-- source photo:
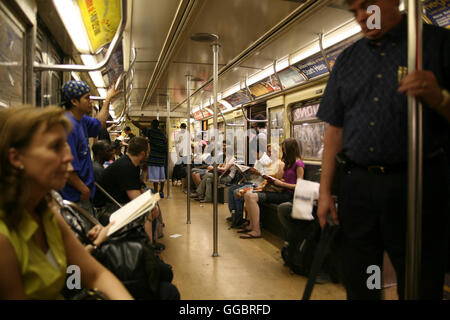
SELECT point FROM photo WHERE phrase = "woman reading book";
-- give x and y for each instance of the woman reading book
(36, 243)
(293, 168)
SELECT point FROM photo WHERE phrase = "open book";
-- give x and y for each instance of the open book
(133, 210)
(241, 167)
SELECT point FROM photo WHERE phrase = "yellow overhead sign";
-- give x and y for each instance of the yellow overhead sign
(101, 19)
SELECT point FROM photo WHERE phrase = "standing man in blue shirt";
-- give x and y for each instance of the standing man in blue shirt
(80, 188)
(365, 104)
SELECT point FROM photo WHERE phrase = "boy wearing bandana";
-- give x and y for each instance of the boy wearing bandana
(80, 188)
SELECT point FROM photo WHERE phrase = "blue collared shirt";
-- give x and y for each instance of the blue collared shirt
(361, 96)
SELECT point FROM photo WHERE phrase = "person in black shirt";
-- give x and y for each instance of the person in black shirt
(102, 153)
(122, 178)
(365, 104)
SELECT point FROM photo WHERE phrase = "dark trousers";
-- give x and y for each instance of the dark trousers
(372, 213)
(284, 215)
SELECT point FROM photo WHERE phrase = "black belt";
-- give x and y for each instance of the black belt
(377, 169)
(382, 169)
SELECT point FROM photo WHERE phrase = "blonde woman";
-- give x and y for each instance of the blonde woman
(36, 244)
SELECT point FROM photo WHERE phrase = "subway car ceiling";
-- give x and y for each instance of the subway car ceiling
(256, 37)
(266, 48)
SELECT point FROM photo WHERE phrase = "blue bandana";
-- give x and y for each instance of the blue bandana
(73, 89)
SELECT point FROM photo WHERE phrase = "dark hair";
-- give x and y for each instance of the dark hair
(155, 124)
(183, 126)
(127, 129)
(137, 145)
(115, 144)
(68, 104)
(291, 152)
(100, 149)
(260, 124)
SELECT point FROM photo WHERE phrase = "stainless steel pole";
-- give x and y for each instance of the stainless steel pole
(218, 145)
(168, 137)
(188, 172)
(415, 147)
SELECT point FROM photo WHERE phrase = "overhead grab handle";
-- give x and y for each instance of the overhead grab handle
(250, 120)
(83, 68)
(324, 55)
(229, 124)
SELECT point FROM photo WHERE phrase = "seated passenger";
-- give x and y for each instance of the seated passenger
(263, 166)
(36, 244)
(292, 170)
(102, 153)
(122, 179)
(117, 149)
(227, 172)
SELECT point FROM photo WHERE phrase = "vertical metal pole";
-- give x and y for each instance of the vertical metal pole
(188, 172)
(414, 216)
(124, 84)
(168, 137)
(29, 83)
(216, 134)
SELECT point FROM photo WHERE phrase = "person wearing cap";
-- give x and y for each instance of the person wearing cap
(80, 187)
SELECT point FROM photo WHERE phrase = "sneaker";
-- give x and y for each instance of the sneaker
(194, 195)
(161, 195)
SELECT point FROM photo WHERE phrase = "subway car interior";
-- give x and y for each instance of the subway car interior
(227, 69)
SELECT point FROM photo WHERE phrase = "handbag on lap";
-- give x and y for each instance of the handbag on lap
(128, 254)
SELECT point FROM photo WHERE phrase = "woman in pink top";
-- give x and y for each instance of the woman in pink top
(293, 168)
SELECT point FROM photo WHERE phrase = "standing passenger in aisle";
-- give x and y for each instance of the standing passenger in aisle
(80, 188)
(158, 155)
(365, 104)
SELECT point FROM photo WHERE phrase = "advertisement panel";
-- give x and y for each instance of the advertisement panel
(437, 12)
(101, 19)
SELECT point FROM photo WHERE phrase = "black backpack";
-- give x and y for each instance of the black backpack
(298, 255)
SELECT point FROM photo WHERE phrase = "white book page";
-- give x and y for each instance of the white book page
(132, 210)
(241, 167)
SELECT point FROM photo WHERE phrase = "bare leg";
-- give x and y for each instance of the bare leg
(144, 172)
(251, 203)
(196, 178)
(148, 229)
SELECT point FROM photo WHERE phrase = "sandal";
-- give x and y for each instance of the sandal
(243, 230)
(249, 236)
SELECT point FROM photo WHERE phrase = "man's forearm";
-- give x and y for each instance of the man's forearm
(104, 112)
(75, 181)
(332, 145)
